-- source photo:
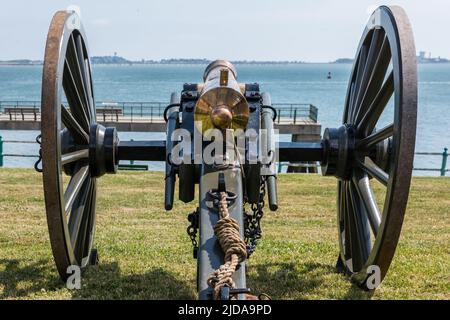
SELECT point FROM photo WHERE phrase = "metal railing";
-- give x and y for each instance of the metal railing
(290, 113)
(442, 170)
(130, 111)
(128, 167)
(19, 104)
(296, 111)
(20, 110)
(13, 155)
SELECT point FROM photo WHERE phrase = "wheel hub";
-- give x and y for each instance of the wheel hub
(339, 151)
(103, 146)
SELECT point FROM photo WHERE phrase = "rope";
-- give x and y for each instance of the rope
(227, 232)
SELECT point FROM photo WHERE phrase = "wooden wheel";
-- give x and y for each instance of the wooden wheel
(379, 137)
(68, 112)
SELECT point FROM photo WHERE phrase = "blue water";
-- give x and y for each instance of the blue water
(303, 83)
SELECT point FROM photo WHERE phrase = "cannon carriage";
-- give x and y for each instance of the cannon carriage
(220, 136)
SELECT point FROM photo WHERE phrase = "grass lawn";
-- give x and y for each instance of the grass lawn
(145, 252)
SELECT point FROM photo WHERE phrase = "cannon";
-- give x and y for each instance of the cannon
(370, 154)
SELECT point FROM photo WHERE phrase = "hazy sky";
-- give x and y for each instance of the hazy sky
(309, 30)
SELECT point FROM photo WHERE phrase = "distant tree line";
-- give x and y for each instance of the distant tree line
(117, 60)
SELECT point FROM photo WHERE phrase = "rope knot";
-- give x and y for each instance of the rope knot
(234, 248)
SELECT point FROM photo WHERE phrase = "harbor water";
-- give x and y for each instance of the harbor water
(287, 83)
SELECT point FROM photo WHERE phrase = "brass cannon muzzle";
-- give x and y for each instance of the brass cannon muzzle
(221, 104)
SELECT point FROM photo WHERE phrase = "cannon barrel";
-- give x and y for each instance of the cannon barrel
(221, 104)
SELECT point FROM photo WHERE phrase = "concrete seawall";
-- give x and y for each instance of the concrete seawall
(307, 130)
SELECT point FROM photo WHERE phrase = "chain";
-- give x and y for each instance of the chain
(36, 165)
(192, 230)
(252, 221)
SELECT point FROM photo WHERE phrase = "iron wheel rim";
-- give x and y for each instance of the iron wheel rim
(357, 218)
(66, 49)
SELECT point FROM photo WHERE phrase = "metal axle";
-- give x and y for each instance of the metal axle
(156, 151)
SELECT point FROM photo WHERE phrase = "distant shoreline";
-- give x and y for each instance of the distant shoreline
(119, 61)
(243, 63)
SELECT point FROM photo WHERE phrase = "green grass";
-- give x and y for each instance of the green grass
(145, 252)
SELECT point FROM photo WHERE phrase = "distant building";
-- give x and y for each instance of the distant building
(110, 60)
(422, 58)
(343, 60)
(21, 62)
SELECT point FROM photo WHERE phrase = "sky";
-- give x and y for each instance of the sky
(306, 30)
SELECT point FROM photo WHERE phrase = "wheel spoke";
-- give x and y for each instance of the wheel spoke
(359, 73)
(84, 76)
(85, 225)
(78, 211)
(77, 132)
(362, 185)
(340, 206)
(372, 56)
(350, 103)
(373, 170)
(350, 231)
(361, 231)
(75, 59)
(375, 138)
(76, 104)
(90, 94)
(74, 156)
(91, 221)
(374, 111)
(74, 187)
(346, 225)
(375, 75)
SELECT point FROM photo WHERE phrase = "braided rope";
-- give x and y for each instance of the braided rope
(227, 232)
